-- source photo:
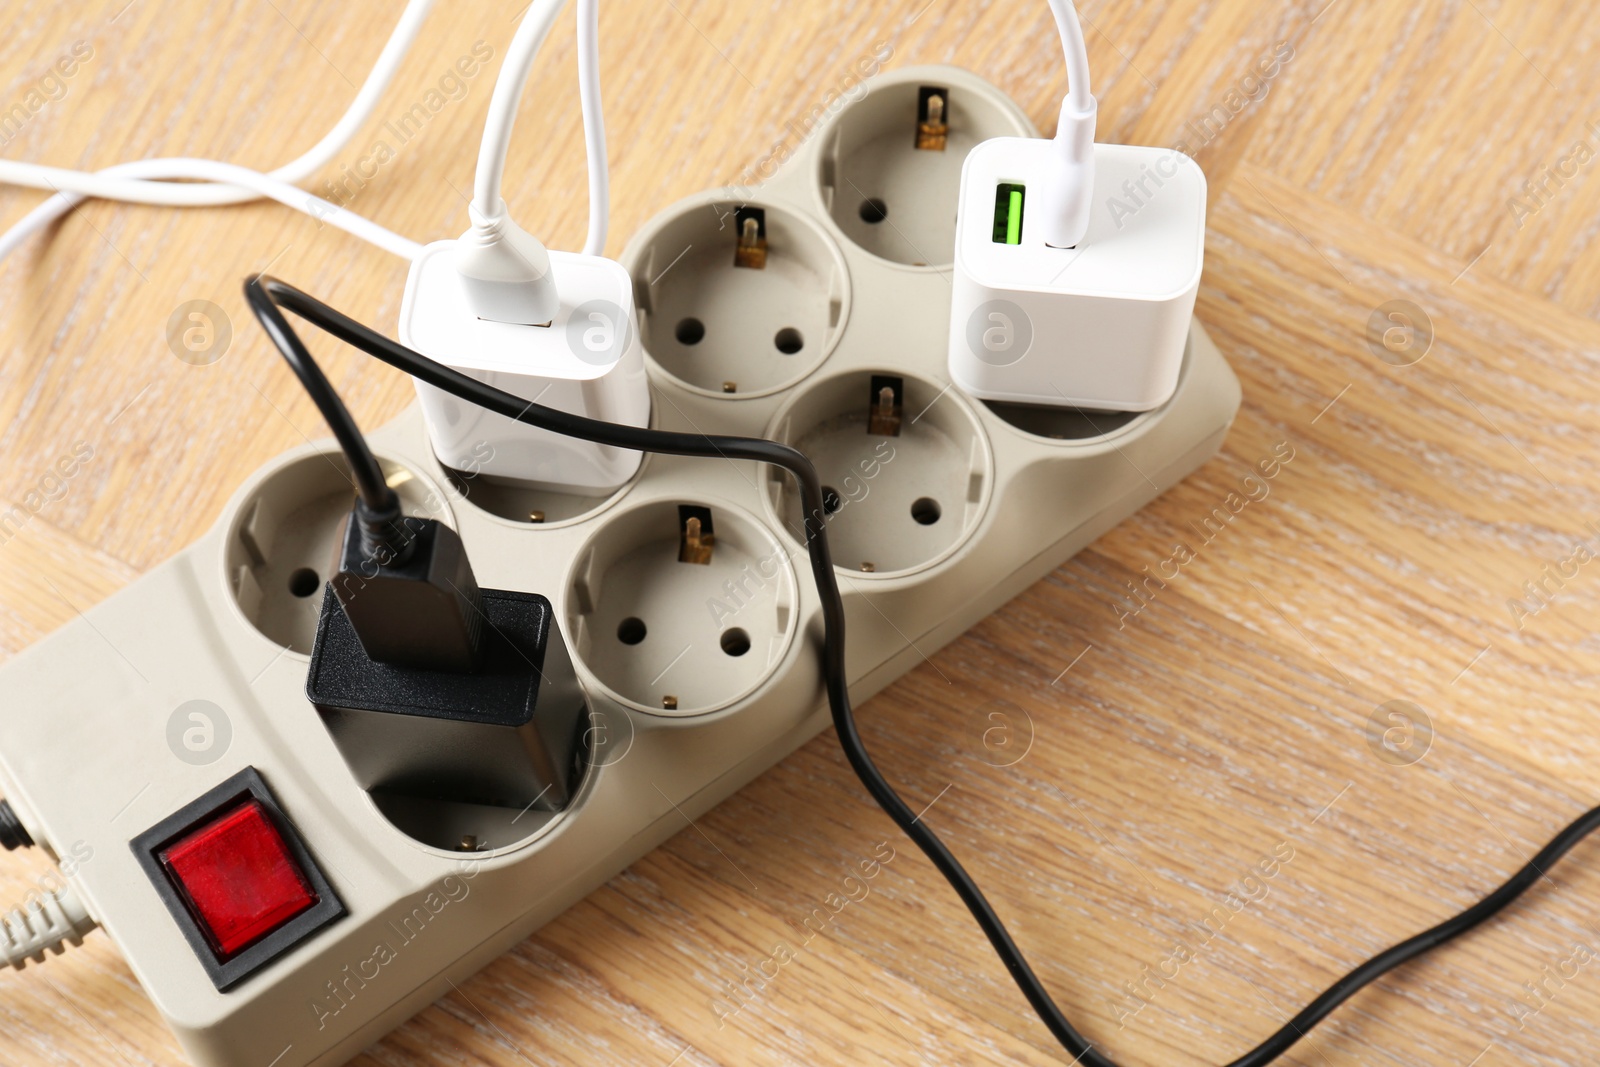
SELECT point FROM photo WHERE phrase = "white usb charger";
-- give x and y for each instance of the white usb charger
(555, 328)
(1076, 264)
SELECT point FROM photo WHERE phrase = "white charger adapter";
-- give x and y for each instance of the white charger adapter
(587, 360)
(1101, 325)
(555, 328)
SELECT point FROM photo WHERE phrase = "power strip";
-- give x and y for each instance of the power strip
(197, 672)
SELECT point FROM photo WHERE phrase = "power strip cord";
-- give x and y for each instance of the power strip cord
(13, 835)
(265, 292)
(46, 923)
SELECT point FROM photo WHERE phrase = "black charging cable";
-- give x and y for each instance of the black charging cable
(383, 536)
(265, 291)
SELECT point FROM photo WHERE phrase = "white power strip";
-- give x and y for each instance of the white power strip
(194, 678)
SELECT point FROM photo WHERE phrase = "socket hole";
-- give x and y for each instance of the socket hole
(926, 510)
(831, 500)
(873, 211)
(631, 631)
(691, 331)
(531, 508)
(789, 341)
(304, 582)
(735, 642)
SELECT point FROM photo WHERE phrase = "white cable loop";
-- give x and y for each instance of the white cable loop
(149, 181)
(252, 182)
(136, 182)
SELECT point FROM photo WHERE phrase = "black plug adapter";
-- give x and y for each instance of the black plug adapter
(434, 689)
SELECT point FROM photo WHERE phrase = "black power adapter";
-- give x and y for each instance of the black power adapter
(437, 690)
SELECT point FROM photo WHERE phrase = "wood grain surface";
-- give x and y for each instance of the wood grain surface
(1216, 814)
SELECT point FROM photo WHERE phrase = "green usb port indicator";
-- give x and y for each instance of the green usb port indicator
(1008, 200)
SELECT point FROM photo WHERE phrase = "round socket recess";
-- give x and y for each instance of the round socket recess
(906, 469)
(890, 181)
(681, 608)
(524, 505)
(447, 828)
(281, 541)
(736, 299)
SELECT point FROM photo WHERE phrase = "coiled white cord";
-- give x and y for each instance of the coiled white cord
(136, 182)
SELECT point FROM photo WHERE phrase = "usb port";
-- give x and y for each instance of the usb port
(1008, 201)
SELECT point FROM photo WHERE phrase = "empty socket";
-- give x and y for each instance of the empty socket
(281, 547)
(905, 466)
(885, 181)
(730, 318)
(681, 608)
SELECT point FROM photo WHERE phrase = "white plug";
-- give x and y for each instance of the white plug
(506, 272)
(585, 358)
(1067, 193)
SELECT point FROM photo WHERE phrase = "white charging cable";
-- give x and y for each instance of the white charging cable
(148, 181)
(141, 190)
(1068, 195)
(133, 182)
(594, 126)
(241, 182)
(505, 268)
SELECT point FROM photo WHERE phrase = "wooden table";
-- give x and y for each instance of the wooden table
(1223, 748)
